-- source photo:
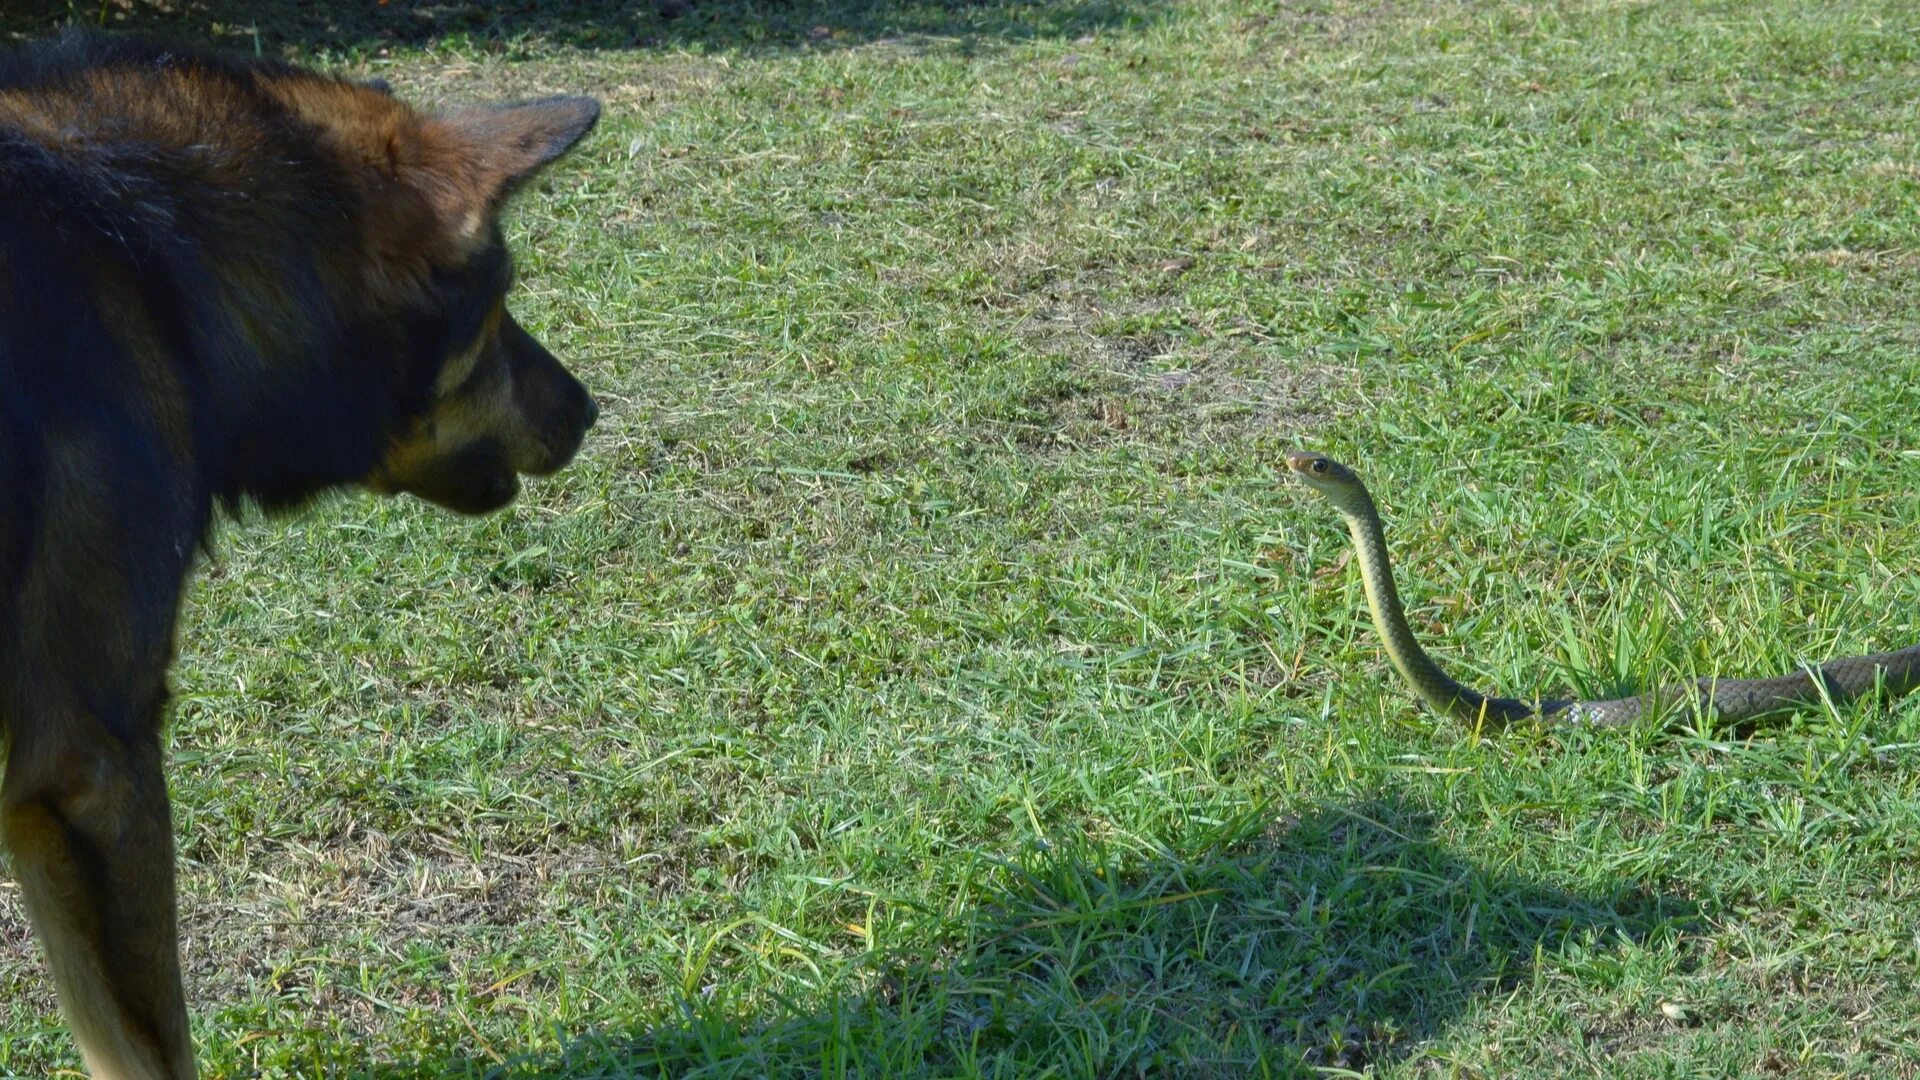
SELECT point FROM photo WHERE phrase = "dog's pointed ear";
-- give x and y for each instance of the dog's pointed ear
(510, 143)
(488, 151)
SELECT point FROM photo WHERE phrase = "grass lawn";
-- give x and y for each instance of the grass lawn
(927, 672)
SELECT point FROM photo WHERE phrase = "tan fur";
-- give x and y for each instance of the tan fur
(390, 328)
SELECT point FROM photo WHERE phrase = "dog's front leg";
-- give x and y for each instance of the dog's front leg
(84, 811)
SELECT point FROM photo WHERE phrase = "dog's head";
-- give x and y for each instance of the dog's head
(500, 405)
(484, 403)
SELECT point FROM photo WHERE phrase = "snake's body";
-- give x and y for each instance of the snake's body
(1732, 700)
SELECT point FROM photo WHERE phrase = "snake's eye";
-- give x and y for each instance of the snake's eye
(1319, 465)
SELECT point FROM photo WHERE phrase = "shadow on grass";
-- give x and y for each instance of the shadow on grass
(362, 26)
(1339, 940)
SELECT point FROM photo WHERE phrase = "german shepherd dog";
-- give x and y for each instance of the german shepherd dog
(222, 282)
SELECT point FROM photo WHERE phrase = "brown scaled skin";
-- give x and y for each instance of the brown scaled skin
(1734, 701)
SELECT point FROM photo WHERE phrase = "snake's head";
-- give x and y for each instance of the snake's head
(1334, 481)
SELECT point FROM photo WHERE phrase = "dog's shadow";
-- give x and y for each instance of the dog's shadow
(746, 25)
(1342, 939)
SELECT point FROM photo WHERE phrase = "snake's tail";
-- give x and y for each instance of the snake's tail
(1882, 676)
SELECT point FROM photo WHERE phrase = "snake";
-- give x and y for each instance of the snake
(1733, 701)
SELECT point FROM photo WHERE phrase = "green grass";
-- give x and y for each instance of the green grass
(925, 671)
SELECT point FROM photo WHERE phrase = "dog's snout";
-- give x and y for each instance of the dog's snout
(593, 412)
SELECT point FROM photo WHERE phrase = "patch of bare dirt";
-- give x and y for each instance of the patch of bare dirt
(290, 913)
(1194, 383)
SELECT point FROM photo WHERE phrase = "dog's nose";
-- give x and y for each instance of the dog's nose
(593, 412)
